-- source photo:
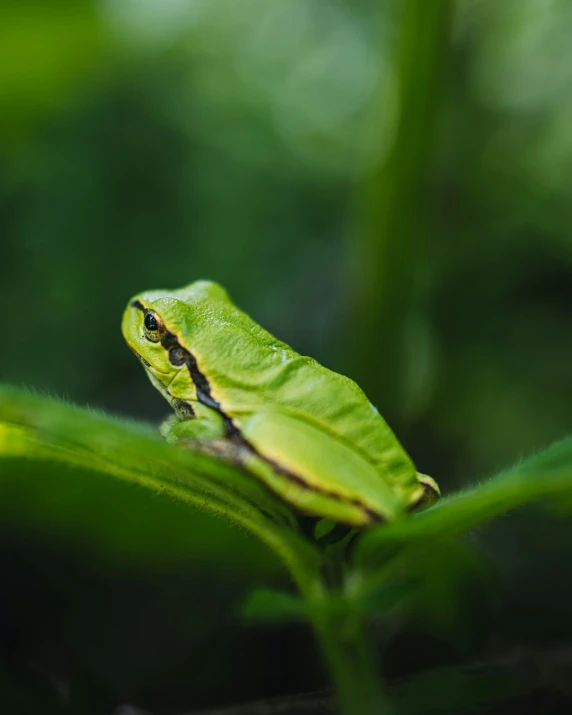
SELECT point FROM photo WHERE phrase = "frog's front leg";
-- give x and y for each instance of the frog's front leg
(202, 423)
(203, 430)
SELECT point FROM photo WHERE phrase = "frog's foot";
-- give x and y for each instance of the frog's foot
(431, 492)
(206, 424)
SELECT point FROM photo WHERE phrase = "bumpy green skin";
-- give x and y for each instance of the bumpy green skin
(310, 434)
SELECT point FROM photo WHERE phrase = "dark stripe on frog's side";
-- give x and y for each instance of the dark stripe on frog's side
(304, 485)
(171, 343)
(204, 394)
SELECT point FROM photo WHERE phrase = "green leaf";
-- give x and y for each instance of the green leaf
(47, 51)
(546, 475)
(273, 607)
(42, 429)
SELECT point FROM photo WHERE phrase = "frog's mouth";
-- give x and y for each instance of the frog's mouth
(163, 389)
(150, 368)
(153, 375)
(156, 378)
(139, 357)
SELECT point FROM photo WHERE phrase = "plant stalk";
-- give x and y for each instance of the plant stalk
(350, 656)
(346, 647)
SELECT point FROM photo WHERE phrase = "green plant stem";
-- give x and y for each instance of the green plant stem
(352, 662)
(346, 648)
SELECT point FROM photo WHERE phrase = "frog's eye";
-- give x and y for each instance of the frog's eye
(153, 326)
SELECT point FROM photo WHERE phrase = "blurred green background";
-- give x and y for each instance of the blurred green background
(383, 185)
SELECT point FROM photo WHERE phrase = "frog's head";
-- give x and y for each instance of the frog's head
(156, 327)
(144, 330)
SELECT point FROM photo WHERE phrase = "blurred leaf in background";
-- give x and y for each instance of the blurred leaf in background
(47, 54)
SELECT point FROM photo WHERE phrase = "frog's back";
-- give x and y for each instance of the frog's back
(248, 369)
